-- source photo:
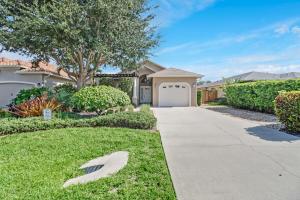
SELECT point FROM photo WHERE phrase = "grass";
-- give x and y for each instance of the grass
(35, 165)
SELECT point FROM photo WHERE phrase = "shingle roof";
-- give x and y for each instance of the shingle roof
(27, 66)
(253, 76)
(173, 72)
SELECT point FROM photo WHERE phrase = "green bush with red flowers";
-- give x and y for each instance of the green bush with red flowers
(287, 107)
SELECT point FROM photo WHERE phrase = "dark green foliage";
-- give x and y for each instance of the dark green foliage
(27, 94)
(287, 106)
(134, 120)
(124, 84)
(63, 94)
(99, 99)
(199, 96)
(259, 95)
(81, 36)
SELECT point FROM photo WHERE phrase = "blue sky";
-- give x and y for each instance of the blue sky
(220, 38)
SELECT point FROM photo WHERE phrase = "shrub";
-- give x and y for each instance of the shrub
(145, 108)
(258, 95)
(287, 106)
(27, 94)
(99, 99)
(199, 95)
(63, 94)
(34, 107)
(135, 120)
(123, 83)
(4, 114)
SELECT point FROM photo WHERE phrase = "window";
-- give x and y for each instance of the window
(170, 86)
(177, 86)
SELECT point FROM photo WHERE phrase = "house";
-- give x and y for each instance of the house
(160, 86)
(164, 87)
(213, 91)
(16, 75)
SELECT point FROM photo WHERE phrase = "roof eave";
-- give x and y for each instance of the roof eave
(43, 73)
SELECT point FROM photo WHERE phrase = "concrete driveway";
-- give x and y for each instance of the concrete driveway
(212, 156)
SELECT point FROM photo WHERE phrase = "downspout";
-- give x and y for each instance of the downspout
(45, 79)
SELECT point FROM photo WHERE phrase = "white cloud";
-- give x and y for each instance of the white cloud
(279, 28)
(283, 29)
(296, 30)
(170, 11)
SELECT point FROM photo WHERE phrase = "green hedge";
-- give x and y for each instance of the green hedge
(99, 99)
(199, 95)
(287, 106)
(258, 95)
(134, 120)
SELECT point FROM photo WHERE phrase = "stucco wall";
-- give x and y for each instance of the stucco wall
(8, 74)
(190, 81)
(11, 83)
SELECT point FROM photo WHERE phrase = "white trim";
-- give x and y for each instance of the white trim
(19, 82)
(187, 84)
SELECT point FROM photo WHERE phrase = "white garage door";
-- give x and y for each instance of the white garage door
(174, 94)
(9, 90)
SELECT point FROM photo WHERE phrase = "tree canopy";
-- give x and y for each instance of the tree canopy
(81, 36)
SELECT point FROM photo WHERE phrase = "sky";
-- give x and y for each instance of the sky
(221, 38)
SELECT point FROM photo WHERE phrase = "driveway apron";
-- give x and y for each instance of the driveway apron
(213, 156)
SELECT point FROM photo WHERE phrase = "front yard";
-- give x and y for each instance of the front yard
(35, 165)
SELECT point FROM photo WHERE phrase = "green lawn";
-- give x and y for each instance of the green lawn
(35, 165)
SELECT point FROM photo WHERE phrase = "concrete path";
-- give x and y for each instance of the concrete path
(212, 156)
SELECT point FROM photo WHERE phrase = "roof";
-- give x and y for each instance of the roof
(28, 67)
(253, 76)
(173, 72)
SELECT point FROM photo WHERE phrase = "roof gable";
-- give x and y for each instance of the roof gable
(173, 72)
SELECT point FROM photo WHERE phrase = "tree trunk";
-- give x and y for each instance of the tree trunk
(80, 82)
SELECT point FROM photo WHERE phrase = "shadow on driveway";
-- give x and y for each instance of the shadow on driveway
(266, 133)
(244, 114)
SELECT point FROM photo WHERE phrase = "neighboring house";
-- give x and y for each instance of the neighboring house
(16, 75)
(213, 91)
(160, 86)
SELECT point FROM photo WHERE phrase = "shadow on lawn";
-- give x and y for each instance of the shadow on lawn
(266, 133)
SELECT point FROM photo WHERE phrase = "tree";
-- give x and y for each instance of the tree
(81, 36)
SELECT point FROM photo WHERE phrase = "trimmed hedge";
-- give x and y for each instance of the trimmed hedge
(199, 96)
(99, 98)
(258, 95)
(287, 106)
(134, 120)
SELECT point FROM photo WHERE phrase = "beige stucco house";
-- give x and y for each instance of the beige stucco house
(16, 75)
(164, 87)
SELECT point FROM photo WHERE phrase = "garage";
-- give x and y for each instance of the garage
(174, 88)
(9, 90)
(169, 94)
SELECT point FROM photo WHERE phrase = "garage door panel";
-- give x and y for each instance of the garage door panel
(174, 95)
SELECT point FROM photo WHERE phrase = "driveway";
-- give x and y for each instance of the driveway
(212, 156)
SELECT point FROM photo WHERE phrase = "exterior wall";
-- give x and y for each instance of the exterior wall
(11, 83)
(52, 81)
(8, 74)
(191, 81)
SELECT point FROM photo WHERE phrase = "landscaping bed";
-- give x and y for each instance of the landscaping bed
(35, 165)
(135, 120)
